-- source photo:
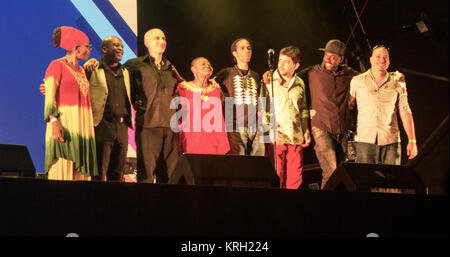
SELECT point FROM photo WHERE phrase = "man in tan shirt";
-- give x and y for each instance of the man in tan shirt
(379, 96)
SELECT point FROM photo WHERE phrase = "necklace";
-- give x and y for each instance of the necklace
(79, 76)
(191, 86)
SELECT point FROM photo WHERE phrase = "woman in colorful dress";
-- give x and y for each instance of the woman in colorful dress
(202, 127)
(69, 140)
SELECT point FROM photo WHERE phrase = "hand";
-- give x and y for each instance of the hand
(42, 89)
(90, 65)
(312, 113)
(306, 139)
(266, 77)
(411, 150)
(351, 105)
(177, 75)
(399, 77)
(57, 132)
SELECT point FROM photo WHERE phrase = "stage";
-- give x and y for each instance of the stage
(38, 207)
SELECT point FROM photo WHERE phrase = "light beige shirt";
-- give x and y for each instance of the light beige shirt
(290, 107)
(378, 108)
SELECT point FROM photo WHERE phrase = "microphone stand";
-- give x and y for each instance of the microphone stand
(272, 69)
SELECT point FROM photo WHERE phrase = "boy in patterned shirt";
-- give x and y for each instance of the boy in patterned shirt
(291, 118)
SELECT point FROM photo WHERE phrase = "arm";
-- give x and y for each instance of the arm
(51, 113)
(304, 75)
(220, 77)
(222, 97)
(138, 98)
(352, 95)
(57, 131)
(306, 133)
(408, 124)
(266, 77)
(177, 75)
(42, 88)
(304, 115)
(264, 110)
(406, 116)
(90, 65)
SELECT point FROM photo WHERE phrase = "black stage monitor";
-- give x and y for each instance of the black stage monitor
(364, 177)
(15, 161)
(224, 170)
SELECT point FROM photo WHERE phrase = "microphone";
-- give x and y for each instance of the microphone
(270, 58)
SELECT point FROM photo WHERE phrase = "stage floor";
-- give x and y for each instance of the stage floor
(37, 207)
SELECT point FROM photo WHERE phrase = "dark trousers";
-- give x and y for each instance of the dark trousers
(329, 151)
(151, 144)
(111, 140)
(246, 143)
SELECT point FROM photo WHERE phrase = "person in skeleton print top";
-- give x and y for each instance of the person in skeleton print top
(242, 85)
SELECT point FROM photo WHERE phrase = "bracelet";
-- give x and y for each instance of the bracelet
(412, 141)
(53, 120)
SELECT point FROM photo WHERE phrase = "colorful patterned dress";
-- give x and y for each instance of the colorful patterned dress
(203, 126)
(68, 98)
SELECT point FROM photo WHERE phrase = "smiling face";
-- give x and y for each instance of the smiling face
(380, 59)
(201, 68)
(331, 61)
(155, 41)
(112, 49)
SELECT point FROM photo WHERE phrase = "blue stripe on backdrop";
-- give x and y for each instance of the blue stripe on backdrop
(27, 28)
(101, 25)
(118, 23)
(94, 39)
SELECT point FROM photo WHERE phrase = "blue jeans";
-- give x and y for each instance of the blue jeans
(378, 154)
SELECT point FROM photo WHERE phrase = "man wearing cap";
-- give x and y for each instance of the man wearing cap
(329, 84)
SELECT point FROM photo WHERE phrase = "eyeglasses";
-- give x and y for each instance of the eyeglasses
(89, 46)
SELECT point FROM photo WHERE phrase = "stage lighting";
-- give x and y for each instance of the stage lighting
(421, 26)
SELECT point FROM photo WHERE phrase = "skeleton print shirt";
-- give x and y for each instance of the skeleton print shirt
(242, 88)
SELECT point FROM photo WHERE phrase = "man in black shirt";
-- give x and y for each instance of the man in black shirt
(111, 109)
(153, 85)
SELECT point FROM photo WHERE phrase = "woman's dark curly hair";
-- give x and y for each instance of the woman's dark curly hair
(56, 37)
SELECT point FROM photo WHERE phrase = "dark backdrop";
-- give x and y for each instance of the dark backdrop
(208, 27)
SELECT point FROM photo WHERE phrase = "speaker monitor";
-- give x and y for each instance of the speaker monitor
(224, 170)
(15, 160)
(364, 177)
